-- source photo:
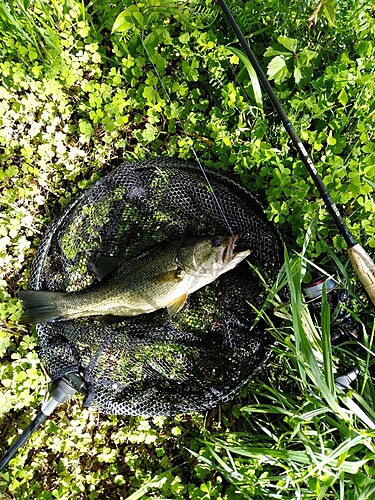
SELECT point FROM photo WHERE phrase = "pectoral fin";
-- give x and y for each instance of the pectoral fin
(177, 305)
(175, 275)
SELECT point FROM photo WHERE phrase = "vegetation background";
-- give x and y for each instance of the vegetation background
(82, 88)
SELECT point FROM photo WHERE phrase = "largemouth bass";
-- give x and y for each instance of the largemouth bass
(161, 277)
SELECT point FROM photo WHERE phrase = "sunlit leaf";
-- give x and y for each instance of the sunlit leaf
(127, 19)
(330, 7)
(277, 69)
(289, 43)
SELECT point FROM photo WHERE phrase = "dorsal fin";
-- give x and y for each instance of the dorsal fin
(105, 266)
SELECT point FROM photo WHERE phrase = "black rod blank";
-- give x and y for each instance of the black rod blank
(332, 208)
(361, 262)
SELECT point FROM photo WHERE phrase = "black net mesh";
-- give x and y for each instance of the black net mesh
(155, 364)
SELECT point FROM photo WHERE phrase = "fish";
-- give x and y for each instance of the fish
(161, 277)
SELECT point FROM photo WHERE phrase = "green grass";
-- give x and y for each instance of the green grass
(78, 96)
(303, 437)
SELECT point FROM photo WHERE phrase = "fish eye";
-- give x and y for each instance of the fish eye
(216, 242)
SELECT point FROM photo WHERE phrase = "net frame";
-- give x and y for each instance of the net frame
(155, 364)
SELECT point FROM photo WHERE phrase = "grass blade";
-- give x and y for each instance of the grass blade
(308, 365)
(317, 460)
(252, 74)
(326, 342)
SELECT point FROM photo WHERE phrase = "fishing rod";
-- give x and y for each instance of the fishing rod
(361, 262)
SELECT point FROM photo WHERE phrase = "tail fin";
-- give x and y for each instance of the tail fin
(41, 307)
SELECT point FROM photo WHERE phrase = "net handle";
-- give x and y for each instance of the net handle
(61, 390)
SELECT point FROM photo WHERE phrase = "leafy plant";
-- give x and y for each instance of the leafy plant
(325, 8)
(286, 61)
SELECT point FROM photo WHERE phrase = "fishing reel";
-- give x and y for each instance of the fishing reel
(343, 327)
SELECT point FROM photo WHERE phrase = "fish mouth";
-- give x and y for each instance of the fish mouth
(229, 246)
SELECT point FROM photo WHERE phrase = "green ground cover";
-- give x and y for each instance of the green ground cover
(83, 87)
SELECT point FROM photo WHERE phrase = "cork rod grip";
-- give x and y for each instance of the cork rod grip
(364, 268)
